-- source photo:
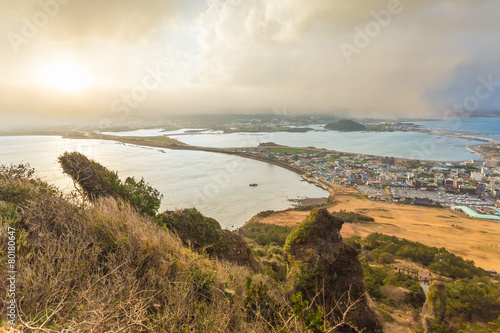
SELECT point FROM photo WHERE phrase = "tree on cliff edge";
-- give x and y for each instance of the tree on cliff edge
(96, 181)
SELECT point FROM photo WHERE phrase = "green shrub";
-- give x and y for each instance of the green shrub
(438, 260)
(450, 265)
(474, 299)
(205, 234)
(374, 278)
(259, 304)
(384, 258)
(265, 213)
(97, 181)
(264, 233)
(311, 317)
(354, 241)
(352, 217)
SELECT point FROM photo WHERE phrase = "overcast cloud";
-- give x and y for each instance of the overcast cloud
(405, 58)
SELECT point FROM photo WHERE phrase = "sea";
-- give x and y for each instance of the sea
(394, 144)
(488, 125)
(216, 184)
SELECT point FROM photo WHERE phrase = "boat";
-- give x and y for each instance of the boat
(253, 184)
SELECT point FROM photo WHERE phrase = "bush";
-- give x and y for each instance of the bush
(450, 265)
(374, 278)
(352, 217)
(205, 234)
(265, 213)
(259, 304)
(354, 241)
(264, 233)
(473, 300)
(97, 181)
(384, 257)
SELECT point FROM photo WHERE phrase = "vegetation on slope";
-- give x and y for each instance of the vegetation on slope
(266, 241)
(345, 125)
(470, 297)
(352, 217)
(205, 234)
(96, 181)
(437, 260)
(394, 289)
(104, 267)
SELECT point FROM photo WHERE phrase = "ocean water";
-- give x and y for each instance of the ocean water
(396, 144)
(489, 125)
(216, 184)
(153, 132)
(494, 137)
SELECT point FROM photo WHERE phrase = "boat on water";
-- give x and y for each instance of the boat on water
(253, 184)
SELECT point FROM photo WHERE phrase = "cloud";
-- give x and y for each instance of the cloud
(122, 21)
(296, 44)
(247, 55)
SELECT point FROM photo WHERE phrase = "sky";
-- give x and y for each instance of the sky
(136, 57)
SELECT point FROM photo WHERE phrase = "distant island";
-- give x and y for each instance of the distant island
(345, 125)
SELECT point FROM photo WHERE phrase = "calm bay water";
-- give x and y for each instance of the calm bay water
(470, 124)
(216, 184)
(397, 144)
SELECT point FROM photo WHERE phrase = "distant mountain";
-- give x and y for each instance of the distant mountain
(346, 125)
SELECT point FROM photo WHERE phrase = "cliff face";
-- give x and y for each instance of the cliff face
(327, 272)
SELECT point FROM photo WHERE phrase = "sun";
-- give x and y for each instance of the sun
(66, 76)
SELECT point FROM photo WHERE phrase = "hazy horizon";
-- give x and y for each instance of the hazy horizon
(78, 59)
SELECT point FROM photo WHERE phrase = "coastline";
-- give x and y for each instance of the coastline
(177, 145)
(171, 143)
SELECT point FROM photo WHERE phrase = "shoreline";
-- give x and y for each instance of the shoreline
(171, 143)
(177, 145)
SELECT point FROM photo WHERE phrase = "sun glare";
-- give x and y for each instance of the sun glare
(66, 76)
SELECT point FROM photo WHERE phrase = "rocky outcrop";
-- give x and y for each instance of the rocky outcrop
(433, 312)
(327, 272)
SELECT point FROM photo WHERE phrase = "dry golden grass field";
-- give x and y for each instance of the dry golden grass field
(473, 239)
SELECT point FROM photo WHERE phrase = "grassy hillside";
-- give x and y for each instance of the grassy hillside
(101, 263)
(105, 267)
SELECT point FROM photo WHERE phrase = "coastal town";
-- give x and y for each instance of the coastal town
(470, 186)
